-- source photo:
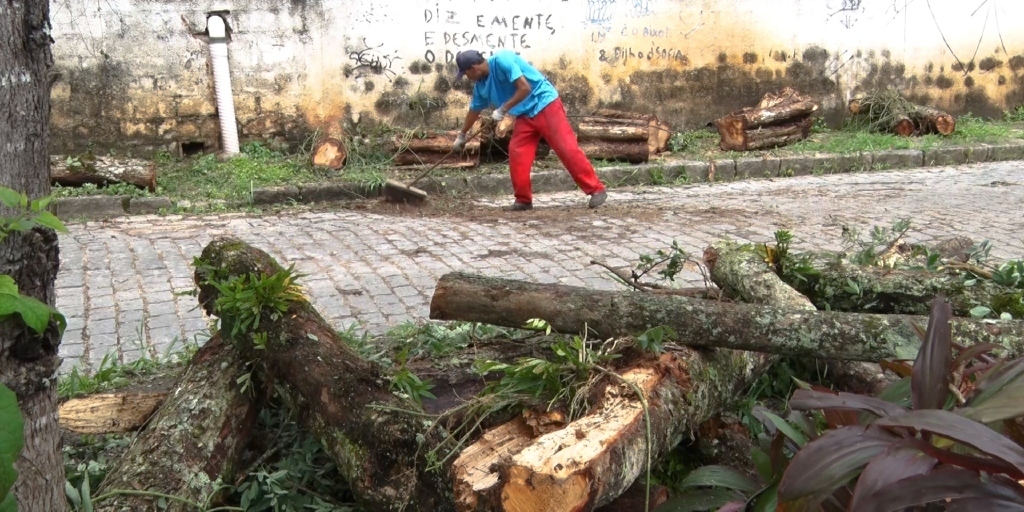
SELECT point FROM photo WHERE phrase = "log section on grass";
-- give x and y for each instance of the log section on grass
(330, 151)
(433, 148)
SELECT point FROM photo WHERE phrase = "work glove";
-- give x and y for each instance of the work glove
(460, 141)
(498, 114)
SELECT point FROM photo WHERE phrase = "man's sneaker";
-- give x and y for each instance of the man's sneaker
(597, 199)
(518, 207)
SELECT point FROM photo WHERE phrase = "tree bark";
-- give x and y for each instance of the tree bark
(109, 413)
(455, 160)
(658, 135)
(86, 171)
(896, 291)
(700, 323)
(776, 114)
(742, 273)
(376, 437)
(736, 138)
(194, 441)
(632, 152)
(28, 363)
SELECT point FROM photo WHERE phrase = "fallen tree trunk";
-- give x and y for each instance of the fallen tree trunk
(109, 413)
(700, 323)
(847, 287)
(193, 442)
(378, 439)
(592, 461)
(100, 171)
(736, 138)
(743, 274)
(632, 152)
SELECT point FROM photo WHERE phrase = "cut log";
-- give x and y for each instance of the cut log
(590, 462)
(776, 114)
(101, 171)
(622, 115)
(701, 323)
(897, 291)
(735, 138)
(193, 442)
(632, 152)
(330, 150)
(931, 120)
(378, 439)
(109, 413)
(330, 153)
(588, 132)
(437, 143)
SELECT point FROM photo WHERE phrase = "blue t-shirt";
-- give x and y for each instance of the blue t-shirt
(505, 68)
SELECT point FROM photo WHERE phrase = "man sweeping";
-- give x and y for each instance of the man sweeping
(511, 85)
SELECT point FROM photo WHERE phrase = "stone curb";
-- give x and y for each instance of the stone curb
(679, 171)
(651, 173)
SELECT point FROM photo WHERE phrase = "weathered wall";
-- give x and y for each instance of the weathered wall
(133, 75)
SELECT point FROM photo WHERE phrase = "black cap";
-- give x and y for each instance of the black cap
(465, 60)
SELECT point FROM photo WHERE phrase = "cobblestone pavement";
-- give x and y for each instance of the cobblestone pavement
(120, 280)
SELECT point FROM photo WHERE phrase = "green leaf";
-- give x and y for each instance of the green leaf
(10, 198)
(11, 441)
(699, 501)
(719, 476)
(34, 313)
(930, 380)
(45, 218)
(8, 504)
(7, 285)
(980, 311)
(795, 435)
(831, 461)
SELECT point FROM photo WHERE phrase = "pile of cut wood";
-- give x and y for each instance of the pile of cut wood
(394, 459)
(888, 111)
(778, 120)
(622, 136)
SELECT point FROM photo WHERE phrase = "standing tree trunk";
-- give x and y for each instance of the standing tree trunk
(28, 363)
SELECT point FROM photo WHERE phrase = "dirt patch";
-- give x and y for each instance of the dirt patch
(469, 209)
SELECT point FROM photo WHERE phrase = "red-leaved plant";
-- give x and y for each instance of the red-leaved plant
(945, 437)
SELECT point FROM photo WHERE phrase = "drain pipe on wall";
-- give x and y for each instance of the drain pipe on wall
(216, 27)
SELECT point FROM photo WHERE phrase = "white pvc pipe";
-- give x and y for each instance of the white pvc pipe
(217, 31)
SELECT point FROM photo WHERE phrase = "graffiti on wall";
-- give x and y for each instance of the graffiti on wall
(367, 60)
(847, 12)
(449, 29)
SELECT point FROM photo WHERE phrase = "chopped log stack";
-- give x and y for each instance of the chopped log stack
(495, 137)
(622, 136)
(888, 111)
(778, 120)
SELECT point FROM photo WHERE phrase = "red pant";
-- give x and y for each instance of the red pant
(552, 124)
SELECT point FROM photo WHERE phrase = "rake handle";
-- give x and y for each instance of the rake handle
(470, 137)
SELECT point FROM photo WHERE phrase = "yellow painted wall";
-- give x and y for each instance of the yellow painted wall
(133, 74)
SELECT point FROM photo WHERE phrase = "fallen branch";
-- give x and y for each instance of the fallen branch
(109, 413)
(700, 323)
